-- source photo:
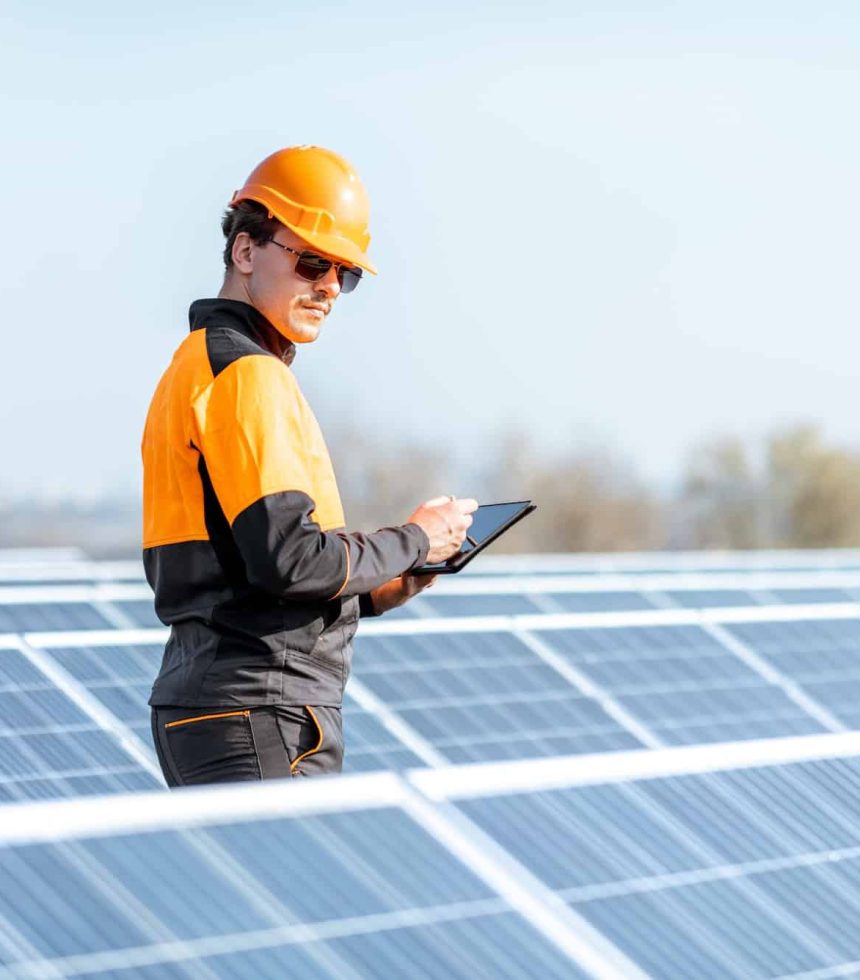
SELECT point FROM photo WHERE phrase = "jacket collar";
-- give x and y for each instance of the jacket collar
(244, 318)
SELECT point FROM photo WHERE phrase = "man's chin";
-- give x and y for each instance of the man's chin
(301, 333)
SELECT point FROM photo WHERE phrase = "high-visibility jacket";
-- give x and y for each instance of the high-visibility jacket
(244, 539)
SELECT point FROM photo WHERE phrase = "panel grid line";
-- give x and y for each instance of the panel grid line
(722, 872)
(589, 688)
(753, 893)
(297, 933)
(92, 707)
(541, 907)
(396, 725)
(773, 676)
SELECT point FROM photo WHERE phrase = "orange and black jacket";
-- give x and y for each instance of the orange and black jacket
(244, 539)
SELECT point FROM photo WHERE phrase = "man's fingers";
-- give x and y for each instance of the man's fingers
(464, 504)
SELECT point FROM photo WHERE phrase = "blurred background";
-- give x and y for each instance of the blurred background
(616, 246)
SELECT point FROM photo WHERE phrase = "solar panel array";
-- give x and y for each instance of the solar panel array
(672, 863)
(435, 690)
(682, 874)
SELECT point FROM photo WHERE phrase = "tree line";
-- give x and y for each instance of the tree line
(792, 489)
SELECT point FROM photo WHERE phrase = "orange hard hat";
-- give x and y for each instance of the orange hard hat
(317, 195)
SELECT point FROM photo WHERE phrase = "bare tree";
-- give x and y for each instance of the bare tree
(813, 491)
(720, 496)
(382, 483)
(587, 501)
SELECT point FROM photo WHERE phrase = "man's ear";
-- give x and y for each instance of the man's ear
(243, 253)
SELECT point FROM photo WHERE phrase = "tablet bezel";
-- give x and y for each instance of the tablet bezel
(452, 569)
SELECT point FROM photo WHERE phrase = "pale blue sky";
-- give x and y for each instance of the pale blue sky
(632, 224)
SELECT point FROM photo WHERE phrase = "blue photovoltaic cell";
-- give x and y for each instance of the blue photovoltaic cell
(369, 745)
(484, 696)
(32, 617)
(410, 610)
(812, 595)
(480, 605)
(141, 612)
(823, 656)
(682, 683)
(587, 602)
(49, 747)
(120, 677)
(710, 598)
(738, 874)
(501, 945)
(248, 884)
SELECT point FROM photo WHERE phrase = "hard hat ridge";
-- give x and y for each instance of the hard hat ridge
(317, 195)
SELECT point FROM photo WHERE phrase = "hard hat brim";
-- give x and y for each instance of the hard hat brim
(333, 246)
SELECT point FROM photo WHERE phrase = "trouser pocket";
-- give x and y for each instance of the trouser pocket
(205, 746)
(218, 745)
(314, 738)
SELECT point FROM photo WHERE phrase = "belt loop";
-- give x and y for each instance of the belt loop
(272, 754)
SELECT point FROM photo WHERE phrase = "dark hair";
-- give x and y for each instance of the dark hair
(250, 217)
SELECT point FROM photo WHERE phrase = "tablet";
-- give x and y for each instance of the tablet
(489, 521)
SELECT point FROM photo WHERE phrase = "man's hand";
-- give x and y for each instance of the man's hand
(398, 590)
(445, 521)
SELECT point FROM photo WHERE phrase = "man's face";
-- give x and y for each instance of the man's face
(294, 306)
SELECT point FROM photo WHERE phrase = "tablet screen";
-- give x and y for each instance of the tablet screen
(486, 521)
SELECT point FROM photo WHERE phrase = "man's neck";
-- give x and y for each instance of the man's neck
(280, 346)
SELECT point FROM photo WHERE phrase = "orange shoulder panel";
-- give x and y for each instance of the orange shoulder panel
(172, 490)
(259, 436)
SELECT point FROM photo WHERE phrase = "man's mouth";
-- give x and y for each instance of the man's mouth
(319, 312)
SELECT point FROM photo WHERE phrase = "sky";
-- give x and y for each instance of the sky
(630, 226)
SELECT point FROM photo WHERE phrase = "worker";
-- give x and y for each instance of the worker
(245, 544)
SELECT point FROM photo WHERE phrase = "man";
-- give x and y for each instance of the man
(244, 538)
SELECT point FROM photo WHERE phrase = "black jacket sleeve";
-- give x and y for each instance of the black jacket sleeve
(287, 554)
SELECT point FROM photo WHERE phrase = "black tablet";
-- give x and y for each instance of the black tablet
(489, 522)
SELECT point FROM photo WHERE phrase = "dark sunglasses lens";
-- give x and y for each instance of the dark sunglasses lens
(311, 266)
(348, 278)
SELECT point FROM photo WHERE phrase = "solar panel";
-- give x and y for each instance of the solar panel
(482, 696)
(50, 746)
(711, 598)
(745, 873)
(601, 601)
(815, 595)
(119, 676)
(682, 683)
(728, 861)
(319, 891)
(24, 617)
(479, 605)
(735, 859)
(437, 692)
(108, 595)
(822, 656)
(139, 613)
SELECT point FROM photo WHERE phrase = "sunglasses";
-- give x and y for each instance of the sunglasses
(313, 267)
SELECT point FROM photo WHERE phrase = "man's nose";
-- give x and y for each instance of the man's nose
(329, 285)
